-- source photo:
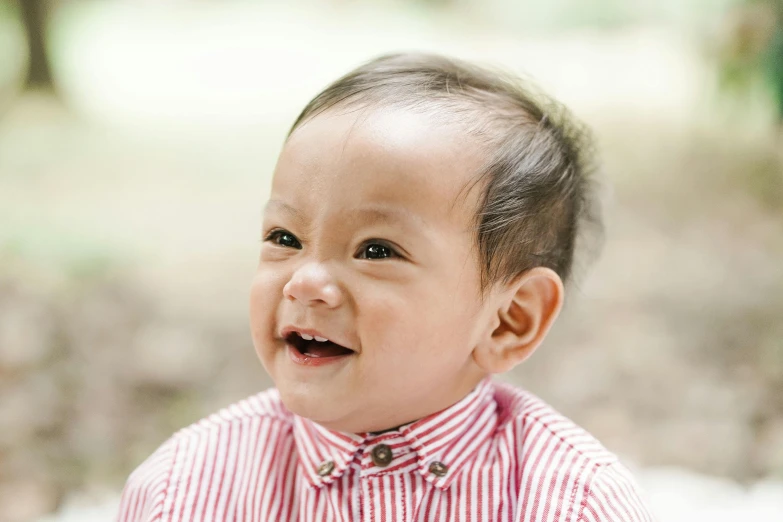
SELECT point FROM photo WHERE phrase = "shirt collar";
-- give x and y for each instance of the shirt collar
(442, 442)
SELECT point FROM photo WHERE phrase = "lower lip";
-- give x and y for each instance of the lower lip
(305, 360)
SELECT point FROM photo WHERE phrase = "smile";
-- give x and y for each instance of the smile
(314, 350)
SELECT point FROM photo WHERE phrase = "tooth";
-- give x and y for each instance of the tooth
(306, 337)
(321, 339)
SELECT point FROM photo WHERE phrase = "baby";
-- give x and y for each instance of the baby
(421, 227)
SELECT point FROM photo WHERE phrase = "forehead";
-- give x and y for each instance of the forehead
(384, 159)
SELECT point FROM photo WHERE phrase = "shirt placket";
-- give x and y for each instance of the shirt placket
(383, 494)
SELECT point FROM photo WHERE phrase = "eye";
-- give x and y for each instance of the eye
(376, 251)
(284, 239)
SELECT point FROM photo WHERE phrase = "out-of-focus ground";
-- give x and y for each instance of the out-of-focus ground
(129, 228)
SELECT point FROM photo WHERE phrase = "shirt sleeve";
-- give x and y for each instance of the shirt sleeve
(615, 497)
(146, 488)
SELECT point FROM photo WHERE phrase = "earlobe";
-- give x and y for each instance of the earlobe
(529, 306)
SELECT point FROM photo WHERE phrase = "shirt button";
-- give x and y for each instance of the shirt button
(326, 468)
(439, 469)
(382, 455)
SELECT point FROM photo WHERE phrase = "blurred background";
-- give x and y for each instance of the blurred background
(137, 140)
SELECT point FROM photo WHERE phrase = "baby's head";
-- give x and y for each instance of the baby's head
(423, 219)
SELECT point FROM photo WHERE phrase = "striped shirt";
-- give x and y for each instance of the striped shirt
(500, 454)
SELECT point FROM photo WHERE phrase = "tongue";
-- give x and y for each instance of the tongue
(327, 349)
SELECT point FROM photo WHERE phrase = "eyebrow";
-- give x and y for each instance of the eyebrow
(382, 214)
(368, 215)
(280, 205)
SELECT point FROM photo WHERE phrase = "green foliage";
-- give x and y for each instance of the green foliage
(773, 66)
(7, 9)
(751, 50)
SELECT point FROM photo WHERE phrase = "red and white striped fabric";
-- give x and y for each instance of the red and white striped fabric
(500, 454)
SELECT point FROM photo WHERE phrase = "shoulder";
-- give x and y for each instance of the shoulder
(238, 423)
(537, 427)
(220, 437)
(559, 461)
(613, 495)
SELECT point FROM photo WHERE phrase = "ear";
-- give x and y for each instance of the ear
(528, 307)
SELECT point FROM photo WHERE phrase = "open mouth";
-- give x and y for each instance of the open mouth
(316, 347)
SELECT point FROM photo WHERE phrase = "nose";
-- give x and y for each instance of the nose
(312, 285)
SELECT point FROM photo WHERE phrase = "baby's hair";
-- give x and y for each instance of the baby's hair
(539, 198)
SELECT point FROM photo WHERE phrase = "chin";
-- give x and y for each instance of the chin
(308, 401)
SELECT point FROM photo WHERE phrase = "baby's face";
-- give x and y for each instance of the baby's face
(368, 244)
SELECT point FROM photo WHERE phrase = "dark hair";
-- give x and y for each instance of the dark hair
(538, 196)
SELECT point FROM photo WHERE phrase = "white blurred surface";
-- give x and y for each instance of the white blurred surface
(678, 495)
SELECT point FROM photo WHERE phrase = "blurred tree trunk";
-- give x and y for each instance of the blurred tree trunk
(34, 17)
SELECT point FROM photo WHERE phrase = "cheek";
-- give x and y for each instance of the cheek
(265, 292)
(452, 320)
(419, 330)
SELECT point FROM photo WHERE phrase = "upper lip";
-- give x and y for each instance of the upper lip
(288, 330)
